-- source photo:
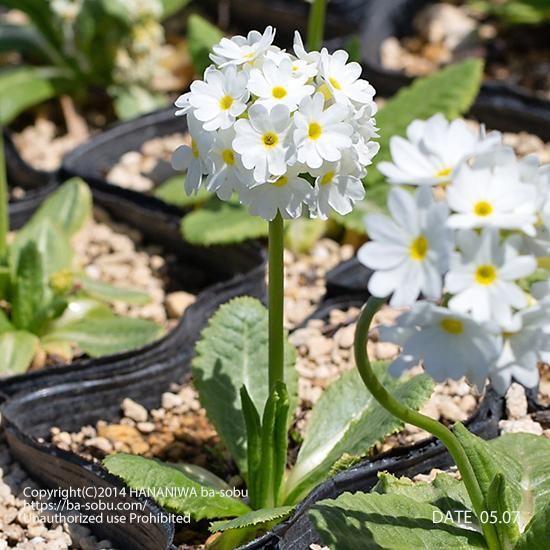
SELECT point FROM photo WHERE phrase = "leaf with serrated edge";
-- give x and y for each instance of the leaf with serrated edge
(347, 419)
(232, 352)
(387, 522)
(255, 518)
(172, 489)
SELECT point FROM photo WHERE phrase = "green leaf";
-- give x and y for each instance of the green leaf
(170, 7)
(537, 533)
(303, 233)
(23, 39)
(5, 325)
(256, 518)
(221, 222)
(500, 503)
(24, 87)
(172, 489)
(68, 208)
(172, 191)
(132, 101)
(52, 243)
(348, 420)
(17, 349)
(253, 445)
(108, 293)
(106, 335)
(233, 352)
(388, 522)
(201, 36)
(30, 287)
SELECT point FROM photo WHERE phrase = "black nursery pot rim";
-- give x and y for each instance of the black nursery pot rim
(500, 105)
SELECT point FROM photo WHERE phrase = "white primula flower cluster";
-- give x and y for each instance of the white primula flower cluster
(287, 133)
(472, 243)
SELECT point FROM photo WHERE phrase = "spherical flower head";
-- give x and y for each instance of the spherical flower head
(432, 151)
(409, 251)
(241, 50)
(449, 344)
(266, 127)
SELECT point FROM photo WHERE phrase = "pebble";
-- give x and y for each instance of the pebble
(516, 402)
(171, 400)
(177, 303)
(526, 425)
(134, 410)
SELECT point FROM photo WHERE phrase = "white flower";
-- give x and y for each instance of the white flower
(409, 252)
(240, 50)
(193, 158)
(492, 197)
(342, 78)
(285, 194)
(335, 188)
(262, 141)
(449, 344)
(228, 175)
(274, 85)
(525, 344)
(219, 99)
(307, 63)
(321, 134)
(432, 151)
(483, 278)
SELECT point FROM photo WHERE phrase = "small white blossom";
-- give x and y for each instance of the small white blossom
(409, 252)
(262, 141)
(482, 277)
(321, 134)
(449, 344)
(432, 151)
(240, 50)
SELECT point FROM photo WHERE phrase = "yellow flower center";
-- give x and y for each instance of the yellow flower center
(327, 178)
(225, 102)
(485, 274)
(314, 130)
(443, 173)
(452, 326)
(483, 208)
(335, 83)
(278, 92)
(419, 248)
(281, 182)
(270, 140)
(228, 157)
(194, 149)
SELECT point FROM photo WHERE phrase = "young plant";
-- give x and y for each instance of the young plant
(286, 134)
(74, 46)
(46, 305)
(515, 12)
(478, 255)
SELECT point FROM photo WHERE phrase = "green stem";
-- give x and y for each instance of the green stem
(409, 416)
(316, 25)
(276, 302)
(4, 215)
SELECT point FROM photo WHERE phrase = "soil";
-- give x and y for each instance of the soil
(444, 32)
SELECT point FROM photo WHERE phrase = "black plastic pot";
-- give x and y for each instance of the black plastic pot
(500, 105)
(93, 159)
(71, 404)
(37, 184)
(343, 17)
(198, 268)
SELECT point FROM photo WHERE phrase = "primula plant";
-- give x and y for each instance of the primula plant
(47, 304)
(472, 242)
(74, 46)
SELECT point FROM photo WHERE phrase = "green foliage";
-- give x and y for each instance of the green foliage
(450, 91)
(219, 222)
(201, 36)
(172, 191)
(513, 472)
(303, 233)
(51, 306)
(515, 12)
(232, 353)
(202, 501)
(256, 518)
(347, 419)
(170, 7)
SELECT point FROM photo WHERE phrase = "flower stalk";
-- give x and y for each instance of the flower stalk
(4, 215)
(316, 25)
(415, 418)
(276, 301)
